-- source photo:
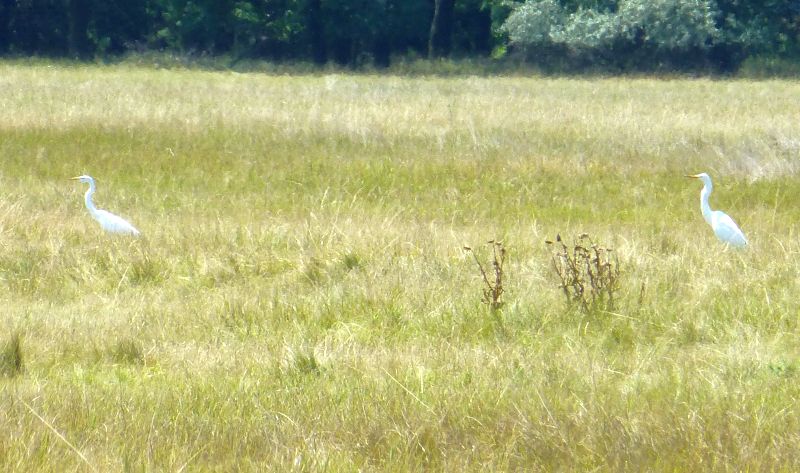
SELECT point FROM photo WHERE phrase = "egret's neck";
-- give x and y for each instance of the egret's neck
(704, 207)
(88, 199)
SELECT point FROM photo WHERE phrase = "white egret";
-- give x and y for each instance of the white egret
(110, 222)
(722, 224)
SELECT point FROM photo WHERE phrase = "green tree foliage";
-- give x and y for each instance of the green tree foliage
(535, 24)
(670, 25)
(653, 33)
(472, 32)
(762, 25)
(351, 28)
(617, 33)
(115, 27)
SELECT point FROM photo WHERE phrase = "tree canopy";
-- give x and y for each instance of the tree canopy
(624, 34)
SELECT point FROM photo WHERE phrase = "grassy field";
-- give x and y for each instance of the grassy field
(300, 299)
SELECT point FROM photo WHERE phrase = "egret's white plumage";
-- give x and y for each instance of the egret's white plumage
(722, 224)
(110, 222)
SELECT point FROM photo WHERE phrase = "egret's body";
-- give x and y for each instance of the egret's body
(722, 224)
(108, 221)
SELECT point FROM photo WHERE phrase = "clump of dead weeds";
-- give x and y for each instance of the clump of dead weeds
(589, 273)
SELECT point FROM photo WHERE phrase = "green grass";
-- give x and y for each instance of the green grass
(301, 300)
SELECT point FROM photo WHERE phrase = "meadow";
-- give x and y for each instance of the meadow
(300, 299)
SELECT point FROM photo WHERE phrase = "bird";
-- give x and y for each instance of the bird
(108, 221)
(722, 224)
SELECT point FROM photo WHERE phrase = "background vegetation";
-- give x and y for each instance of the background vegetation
(301, 299)
(559, 35)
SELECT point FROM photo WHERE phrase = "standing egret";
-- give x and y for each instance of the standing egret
(722, 224)
(110, 222)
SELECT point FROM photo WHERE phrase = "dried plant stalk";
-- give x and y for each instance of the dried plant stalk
(589, 273)
(492, 287)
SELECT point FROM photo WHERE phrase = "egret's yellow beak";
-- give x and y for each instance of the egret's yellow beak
(74, 178)
(693, 176)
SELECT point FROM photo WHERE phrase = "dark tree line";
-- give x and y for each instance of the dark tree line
(624, 33)
(347, 32)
